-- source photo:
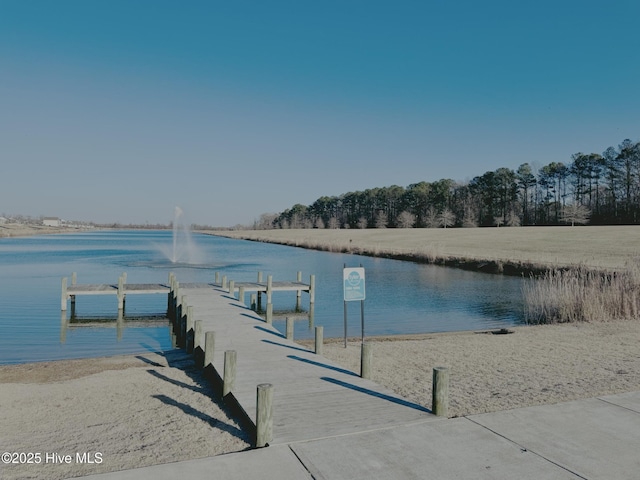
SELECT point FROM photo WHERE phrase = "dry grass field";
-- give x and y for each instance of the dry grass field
(598, 247)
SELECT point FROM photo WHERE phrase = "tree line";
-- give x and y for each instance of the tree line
(591, 188)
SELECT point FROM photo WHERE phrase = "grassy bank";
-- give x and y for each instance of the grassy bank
(506, 250)
(585, 273)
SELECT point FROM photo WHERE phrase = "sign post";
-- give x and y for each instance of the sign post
(354, 290)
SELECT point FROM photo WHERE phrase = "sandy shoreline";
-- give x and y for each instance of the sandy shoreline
(134, 410)
(532, 366)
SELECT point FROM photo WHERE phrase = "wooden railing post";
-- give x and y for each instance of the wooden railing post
(440, 391)
(63, 296)
(241, 294)
(229, 380)
(264, 415)
(289, 328)
(319, 340)
(209, 347)
(365, 360)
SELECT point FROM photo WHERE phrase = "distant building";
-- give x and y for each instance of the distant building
(51, 222)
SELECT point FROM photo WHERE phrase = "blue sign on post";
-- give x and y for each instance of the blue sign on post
(353, 284)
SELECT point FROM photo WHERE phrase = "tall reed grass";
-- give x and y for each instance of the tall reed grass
(581, 295)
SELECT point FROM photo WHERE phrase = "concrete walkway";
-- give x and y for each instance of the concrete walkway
(331, 424)
(591, 439)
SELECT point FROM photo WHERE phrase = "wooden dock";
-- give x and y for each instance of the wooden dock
(312, 397)
(248, 359)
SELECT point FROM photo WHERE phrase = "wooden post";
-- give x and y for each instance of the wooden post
(189, 329)
(440, 391)
(209, 347)
(365, 360)
(198, 343)
(232, 288)
(224, 282)
(217, 281)
(120, 292)
(183, 321)
(269, 315)
(289, 330)
(63, 296)
(241, 294)
(319, 340)
(259, 277)
(176, 288)
(229, 380)
(298, 292)
(74, 278)
(264, 415)
(312, 289)
(269, 288)
(171, 278)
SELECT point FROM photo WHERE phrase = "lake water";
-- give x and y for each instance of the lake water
(401, 297)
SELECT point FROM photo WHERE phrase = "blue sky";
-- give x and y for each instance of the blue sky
(118, 111)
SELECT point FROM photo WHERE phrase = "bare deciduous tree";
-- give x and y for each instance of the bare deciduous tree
(575, 213)
(431, 218)
(381, 219)
(446, 218)
(406, 219)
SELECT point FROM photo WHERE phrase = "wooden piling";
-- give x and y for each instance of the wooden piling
(63, 296)
(264, 415)
(209, 347)
(120, 292)
(183, 321)
(269, 288)
(241, 294)
(312, 289)
(217, 280)
(319, 340)
(198, 344)
(229, 379)
(74, 278)
(232, 288)
(365, 360)
(269, 314)
(224, 282)
(298, 292)
(189, 330)
(289, 328)
(440, 391)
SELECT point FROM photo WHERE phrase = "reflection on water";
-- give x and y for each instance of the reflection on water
(402, 297)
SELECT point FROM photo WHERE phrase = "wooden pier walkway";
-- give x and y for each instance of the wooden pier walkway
(313, 397)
